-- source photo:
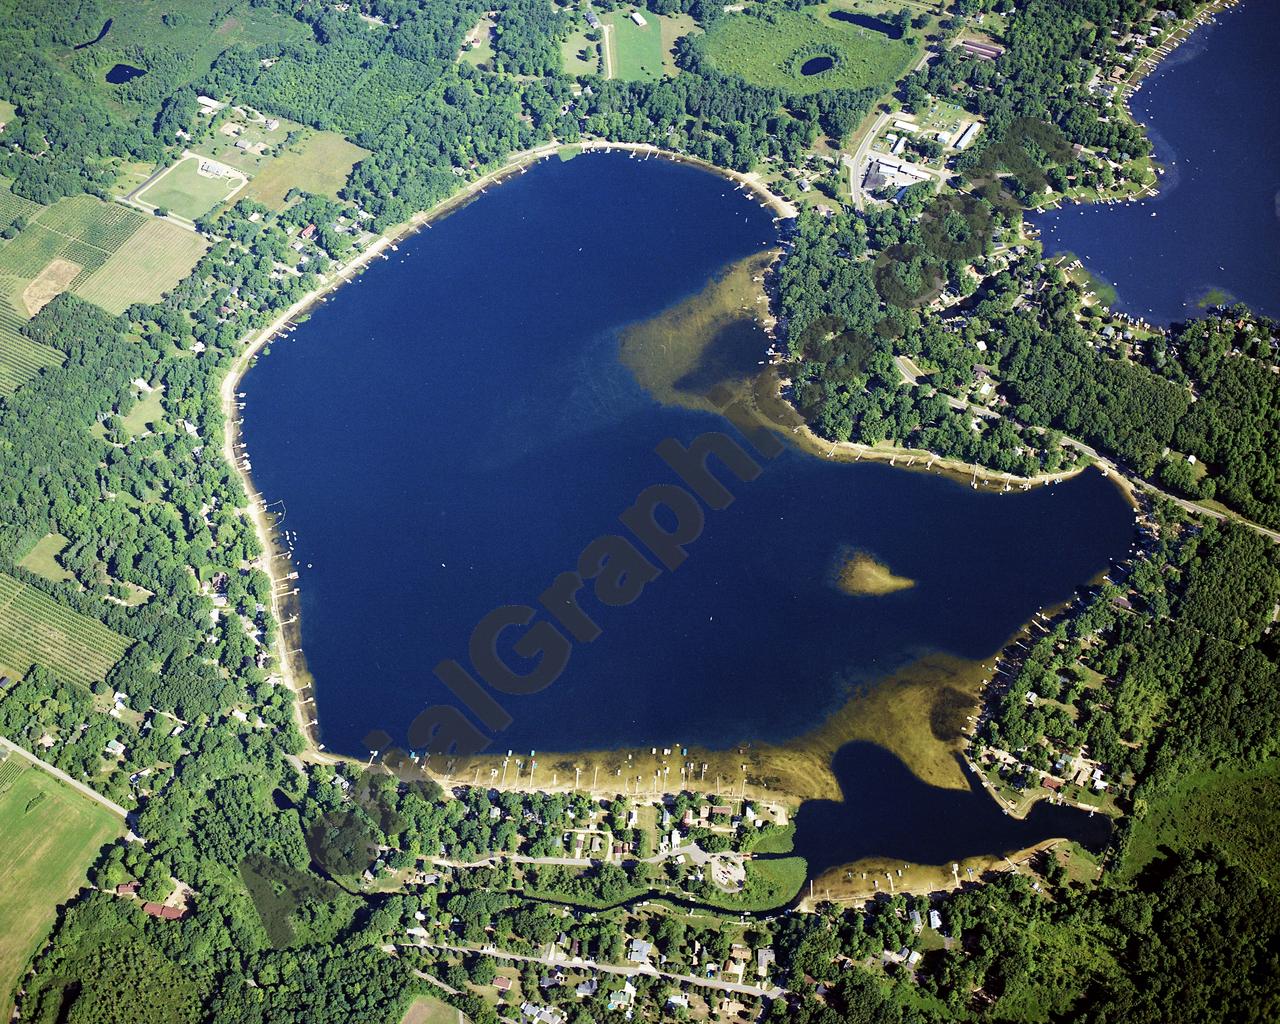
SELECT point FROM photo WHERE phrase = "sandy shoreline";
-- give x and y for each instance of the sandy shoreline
(276, 564)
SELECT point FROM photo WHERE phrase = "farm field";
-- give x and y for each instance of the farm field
(35, 628)
(771, 52)
(183, 190)
(160, 255)
(88, 233)
(320, 164)
(20, 358)
(49, 835)
(43, 558)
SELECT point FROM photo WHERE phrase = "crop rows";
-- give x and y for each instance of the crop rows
(35, 629)
(106, 226)
(12, 206)
(20, 358)
(11, 768)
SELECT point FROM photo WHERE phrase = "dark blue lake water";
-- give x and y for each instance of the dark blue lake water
(449, 433)
(1215, 227)
(887, 812)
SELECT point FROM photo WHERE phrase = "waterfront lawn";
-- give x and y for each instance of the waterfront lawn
(49, 835)
(320, 164)
(770, 51)
(770, 884)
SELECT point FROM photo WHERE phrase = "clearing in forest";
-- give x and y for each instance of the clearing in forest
(831, 45)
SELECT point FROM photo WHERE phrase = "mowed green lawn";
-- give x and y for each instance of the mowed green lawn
(188, 193)
(49, 835)
(770, 51)
(635, 50)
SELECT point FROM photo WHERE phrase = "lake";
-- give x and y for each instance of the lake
(1214, 230)
(450, 432)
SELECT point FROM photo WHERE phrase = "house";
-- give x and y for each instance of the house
(935, 920)
(916, 923)
(587, 988)
(678, 1001)
(502, 984)
(164, 913)
(541, 1014)
(127, 888)
(638, 18)
(115, 748)
(271, 124)
(764, 960)
(592, 20)
(638, 951)
(308, 231)
(623, 997)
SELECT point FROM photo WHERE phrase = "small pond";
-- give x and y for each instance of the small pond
(867, 21)
(122, 73)
(817, 65)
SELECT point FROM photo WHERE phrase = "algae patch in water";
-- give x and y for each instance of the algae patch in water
(858, 574)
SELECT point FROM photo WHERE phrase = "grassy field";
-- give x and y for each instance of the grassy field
(430, 1010)
(49, 834)
(320, 164)
(580, 55)
(770, 51)
(183, 190)
(43, 558)
(1236, 811)
(35, 628)
(643, 52)
(145, 411)
(159, 256)
(635, 51)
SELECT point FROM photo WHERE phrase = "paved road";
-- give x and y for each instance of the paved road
(636, 971)
(61, 776)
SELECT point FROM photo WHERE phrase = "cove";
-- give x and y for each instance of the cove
(1214, 230)
(448, 433)
(887, 812)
